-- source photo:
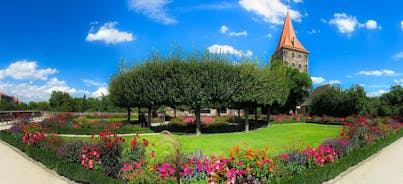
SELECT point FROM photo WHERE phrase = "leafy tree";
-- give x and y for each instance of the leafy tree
(300, 85)
(391, 103)
(61, 101)
(274, 86)
(84, 105)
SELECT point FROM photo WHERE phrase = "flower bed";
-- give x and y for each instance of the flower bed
(106, 156)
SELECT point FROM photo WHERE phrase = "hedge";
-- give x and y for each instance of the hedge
(48, 158)
(94, 131)
(332, 170)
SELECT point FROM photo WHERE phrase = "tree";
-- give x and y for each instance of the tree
(300, 85)
(61, 101)
(274, 86)
(84, 105)
(391, 103)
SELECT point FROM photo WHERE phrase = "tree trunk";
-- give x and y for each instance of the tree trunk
(150, 113)
(239, 113)
(138, 117)
(246, 119)
(198, 123)
(128, 115)
(255, 114)
(175, 112)
(218, 112)
(268, 116)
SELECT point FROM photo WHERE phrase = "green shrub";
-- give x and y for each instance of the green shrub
(70, 151)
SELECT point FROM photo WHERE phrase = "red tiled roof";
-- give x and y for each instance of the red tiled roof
(288, 38)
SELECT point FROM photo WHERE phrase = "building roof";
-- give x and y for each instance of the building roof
(288, 38)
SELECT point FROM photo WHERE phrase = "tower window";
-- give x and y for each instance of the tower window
(293, 54)
(293, 64)
(299, 66)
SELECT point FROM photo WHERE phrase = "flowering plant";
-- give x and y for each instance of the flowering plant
(90, 156)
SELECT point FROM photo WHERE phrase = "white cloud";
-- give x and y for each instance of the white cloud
(376, 93)
(398, 56)
(314, 31)
(272, 11)
(317, 80)
(332, 82)
(216, 6)
(153, 9)
(269, 35)
(224, 29)
(227, 49)
(26, 70)
(401, 24)
(377, 73)
(398, 81)
(110, 35)
(344, 23)
(372, 24)
(100, 92)
(27, 91)
(243, 33)
(88, 82)
(298, 1)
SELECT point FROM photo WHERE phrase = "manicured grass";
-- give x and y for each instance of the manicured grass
(279, 138)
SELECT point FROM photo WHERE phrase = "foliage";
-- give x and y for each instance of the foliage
(339, 146)
(337, 102)
(70, 151)
(110, 149)
(391, 103)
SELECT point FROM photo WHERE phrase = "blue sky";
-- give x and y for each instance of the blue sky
(75, 45)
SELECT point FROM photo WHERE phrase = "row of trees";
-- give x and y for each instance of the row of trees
(199, 80)
(62, 102)
(338, 102)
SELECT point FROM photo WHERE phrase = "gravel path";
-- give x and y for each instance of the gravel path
(384, 167)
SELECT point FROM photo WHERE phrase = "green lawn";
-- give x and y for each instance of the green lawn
(279, 138)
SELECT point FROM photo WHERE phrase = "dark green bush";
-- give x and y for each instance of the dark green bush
(70, 151)
(111, 158)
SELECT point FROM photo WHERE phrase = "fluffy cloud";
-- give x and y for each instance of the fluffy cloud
(377, 73)
(347, 23)
(227, 49)
(110, 35)
(89, 82)
(398, 81)
(344, 23)
(153, 9)
(376, 93)
(401, 24)
(371, 24)
(317, 80)
(332, 82)
(224, 29)
(272, 11)
(26, 70)
(298, 1)
(27, 91)
(243, 33)
(100, 92)
(398, 56)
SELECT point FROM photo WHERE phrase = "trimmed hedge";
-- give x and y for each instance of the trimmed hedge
(94, 131)
(332, 170)
(48, 158)
(325, 122)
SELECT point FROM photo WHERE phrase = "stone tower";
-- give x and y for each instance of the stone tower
(290, 50)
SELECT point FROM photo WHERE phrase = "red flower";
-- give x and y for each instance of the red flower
(152, 154)
(134, 142)
(92, 137)
(145, 142)
(109, 145)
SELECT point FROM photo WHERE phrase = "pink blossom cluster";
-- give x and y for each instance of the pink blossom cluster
(90, 156)
(166, 170)
(322, 155)
(130, 170)
(32, 138)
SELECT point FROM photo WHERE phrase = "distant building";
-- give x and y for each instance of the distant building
(8, 98)
(289, 49)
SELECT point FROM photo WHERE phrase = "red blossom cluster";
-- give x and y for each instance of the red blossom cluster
(33, 138)
(110, 139)
(90, 156)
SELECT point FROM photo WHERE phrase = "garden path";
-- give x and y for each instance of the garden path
(384, 167)
(16, 167)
